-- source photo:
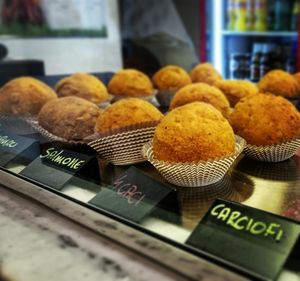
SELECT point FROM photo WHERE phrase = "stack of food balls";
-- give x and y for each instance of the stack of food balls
(68, 112)
(168, 80)
(268, 121)
(193, 144)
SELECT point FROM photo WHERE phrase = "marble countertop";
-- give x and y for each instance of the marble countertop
(39, 244)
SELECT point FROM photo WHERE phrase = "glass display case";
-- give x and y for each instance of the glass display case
(137, 195)
(243, 224)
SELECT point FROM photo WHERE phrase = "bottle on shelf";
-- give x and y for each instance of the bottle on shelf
(250, 15)
(246, 66)
(260, 11)
(239, 66)
(270, 14)
(241, 15)
(231, 16)
(255, 62)
(290, 65)
(277, 57)
(294, 16)
(290, 58)
(235, 66)
(282, 15)
(266, 60)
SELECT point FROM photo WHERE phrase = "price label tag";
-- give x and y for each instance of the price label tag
(56, 166)
(246, 237)
(13, 146)
(133, 195)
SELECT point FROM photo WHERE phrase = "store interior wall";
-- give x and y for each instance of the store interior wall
(158, 33)
(69, 54)
(189, 12)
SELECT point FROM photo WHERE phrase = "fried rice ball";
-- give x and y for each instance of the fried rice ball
(127, 112)
(193, 132)
(201, 92)
(206, 73)
(130, 83)
(234, 90)
(24, 96)
(82, 85)
(280, 83)
(265, 119)
(71, 118)
(171, 78)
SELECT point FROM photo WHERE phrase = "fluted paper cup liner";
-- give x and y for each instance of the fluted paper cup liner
(273, 153)
(165, 97)
(49, 136)
(194, 174)
(16, 124)
(123, 146)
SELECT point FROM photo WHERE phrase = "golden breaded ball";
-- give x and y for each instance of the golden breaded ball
(126, 112)
(130, 83)
(71, 118)
(279, 83)
(201, 92)
(24, 96)
(82, 85)
(193, 132)
(234, 90)
(170, 78)
(265, 119)
(206, 73)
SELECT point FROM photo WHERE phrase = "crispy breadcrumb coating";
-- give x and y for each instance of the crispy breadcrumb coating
(280, 83)
(206, 73)
(265, 119)
(71, 118)
(126, 112)
(24, 96)
(82, 85)
(193, 132)
(130, 83)
(234, 90)
(201, 92)
(170, 78)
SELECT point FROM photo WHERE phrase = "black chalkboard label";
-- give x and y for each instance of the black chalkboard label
(13, 146)
(64, 159)
(245, 237)
(56, 166)
(133, 195)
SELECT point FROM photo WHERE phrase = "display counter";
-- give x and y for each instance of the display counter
(135, 206)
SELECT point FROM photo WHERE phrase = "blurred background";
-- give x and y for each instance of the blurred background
(243, 39)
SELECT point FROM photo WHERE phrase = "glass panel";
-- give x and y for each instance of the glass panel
(85, 36)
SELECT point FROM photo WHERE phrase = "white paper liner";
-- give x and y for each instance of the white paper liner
(49, 136)
(194, 174)
(273, 153)
(123, 147)
(165, 97)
